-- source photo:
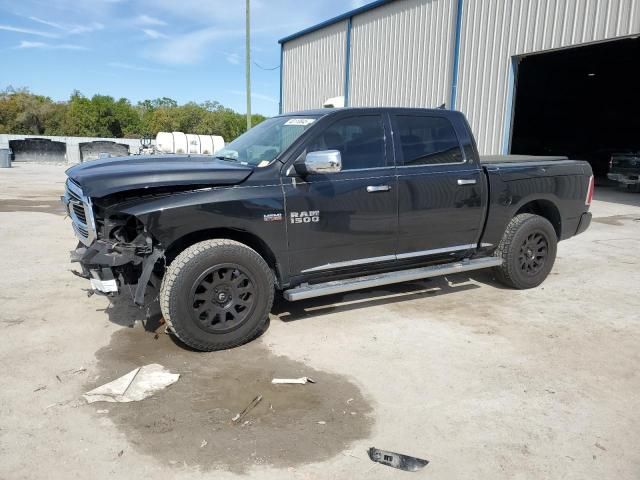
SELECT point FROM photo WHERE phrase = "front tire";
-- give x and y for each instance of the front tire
(528, 251)
(217, 294)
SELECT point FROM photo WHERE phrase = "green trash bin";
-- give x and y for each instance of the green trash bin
(5, 158)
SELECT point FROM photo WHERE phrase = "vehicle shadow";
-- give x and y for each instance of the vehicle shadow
(400, 292)
(122, 311)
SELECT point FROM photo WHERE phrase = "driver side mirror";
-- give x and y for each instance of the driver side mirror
(323, 161)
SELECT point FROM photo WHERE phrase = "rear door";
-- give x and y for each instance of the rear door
(345, 220)
(441, 191)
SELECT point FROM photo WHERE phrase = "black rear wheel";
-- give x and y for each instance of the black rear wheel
(217, 294)
(528, 251)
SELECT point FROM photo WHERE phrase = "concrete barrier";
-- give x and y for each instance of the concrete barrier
(5, 158)
(39, 148)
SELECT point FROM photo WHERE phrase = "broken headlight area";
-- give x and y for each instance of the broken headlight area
(110, 264)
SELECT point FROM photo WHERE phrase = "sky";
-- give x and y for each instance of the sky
(188, 50)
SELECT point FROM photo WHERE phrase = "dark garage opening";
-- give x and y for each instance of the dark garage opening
(582, 102)
(38, 150)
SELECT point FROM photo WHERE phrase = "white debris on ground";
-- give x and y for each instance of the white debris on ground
(136, 385)
(300, 381)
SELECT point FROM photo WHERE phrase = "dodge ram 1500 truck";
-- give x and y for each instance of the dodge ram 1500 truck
(315, 203)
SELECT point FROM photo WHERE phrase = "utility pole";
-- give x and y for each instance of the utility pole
(248, 64)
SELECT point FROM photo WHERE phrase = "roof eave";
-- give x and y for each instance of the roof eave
(331, 21)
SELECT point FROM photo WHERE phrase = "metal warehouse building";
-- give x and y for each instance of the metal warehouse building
(532, 76)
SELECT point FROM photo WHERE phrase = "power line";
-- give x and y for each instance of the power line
(265, 68)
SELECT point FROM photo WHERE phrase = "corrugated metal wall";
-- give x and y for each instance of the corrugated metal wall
(402, 54)
(495, 30)
(314, 68)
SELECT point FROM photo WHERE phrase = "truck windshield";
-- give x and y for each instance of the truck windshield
(264, 142)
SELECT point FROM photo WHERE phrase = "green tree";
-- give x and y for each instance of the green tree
(103, 116)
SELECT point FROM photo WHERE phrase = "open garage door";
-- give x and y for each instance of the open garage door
(38, 150)
(583, 102)
(94, 150)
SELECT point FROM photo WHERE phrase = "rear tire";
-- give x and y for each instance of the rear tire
(217, 294)
(528, 251)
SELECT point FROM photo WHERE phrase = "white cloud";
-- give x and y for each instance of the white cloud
(50, 46)
(137, 68)
(70, 29)
(28, 31)
(151, 33)
(148, 20)
(233, 58)
(191, 48)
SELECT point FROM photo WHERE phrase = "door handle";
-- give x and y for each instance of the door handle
(378, 188)
(466, 181)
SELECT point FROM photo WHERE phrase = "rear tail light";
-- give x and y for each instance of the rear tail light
(590, 191)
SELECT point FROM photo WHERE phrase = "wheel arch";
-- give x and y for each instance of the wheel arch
(546, 209)
(242, 236)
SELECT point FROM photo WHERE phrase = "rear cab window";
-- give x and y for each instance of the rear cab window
(426, 140)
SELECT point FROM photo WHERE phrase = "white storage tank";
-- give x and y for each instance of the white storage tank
(206, 145)
(193, 143)
(218, 143)
(178, 142)
(164, 142)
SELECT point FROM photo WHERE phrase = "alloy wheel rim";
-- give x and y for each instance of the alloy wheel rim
(533, 253)
(222, 298)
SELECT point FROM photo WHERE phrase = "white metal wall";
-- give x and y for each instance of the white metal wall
(402, 54)
(495, 30)
(314, 68)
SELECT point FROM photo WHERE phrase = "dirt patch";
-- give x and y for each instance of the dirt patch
(616, 220)
(45, 206)
(282, 431)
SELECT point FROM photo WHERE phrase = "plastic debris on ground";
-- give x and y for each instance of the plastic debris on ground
(136, 385)
(397, 460)
(300, 381)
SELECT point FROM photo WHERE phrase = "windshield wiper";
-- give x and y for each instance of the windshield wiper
(222, 157)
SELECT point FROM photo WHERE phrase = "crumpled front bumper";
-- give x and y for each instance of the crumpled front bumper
(102, 263)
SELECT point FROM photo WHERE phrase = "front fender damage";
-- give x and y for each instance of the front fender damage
(109, 265)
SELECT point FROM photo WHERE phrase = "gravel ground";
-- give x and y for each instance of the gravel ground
(483, 381)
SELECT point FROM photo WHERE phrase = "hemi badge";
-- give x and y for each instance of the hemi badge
(273, 217)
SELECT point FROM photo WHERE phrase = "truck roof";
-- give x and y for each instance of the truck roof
(327, 111)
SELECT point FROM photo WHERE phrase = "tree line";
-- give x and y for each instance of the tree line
(22, 112)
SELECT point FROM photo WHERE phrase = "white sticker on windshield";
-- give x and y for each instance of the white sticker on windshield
(300, 121)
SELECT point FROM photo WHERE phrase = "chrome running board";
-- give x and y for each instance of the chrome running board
(338, 286)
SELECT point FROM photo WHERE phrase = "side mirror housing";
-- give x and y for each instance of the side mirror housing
(322, 162)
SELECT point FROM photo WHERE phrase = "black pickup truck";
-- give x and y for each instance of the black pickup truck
(315, 203)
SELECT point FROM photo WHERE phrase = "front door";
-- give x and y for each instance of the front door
(347, 219)
(441, 191)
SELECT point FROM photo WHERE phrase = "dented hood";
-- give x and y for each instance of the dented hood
(111, 175)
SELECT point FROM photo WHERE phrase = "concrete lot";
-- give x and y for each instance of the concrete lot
(483, 381)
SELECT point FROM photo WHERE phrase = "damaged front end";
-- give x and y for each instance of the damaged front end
(114, 249)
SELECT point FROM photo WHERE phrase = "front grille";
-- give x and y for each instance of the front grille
(81, 213)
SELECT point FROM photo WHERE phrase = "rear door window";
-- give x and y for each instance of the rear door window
(427, 140)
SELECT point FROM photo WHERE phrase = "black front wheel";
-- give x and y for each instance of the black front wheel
(528, 251)
(217, 294)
